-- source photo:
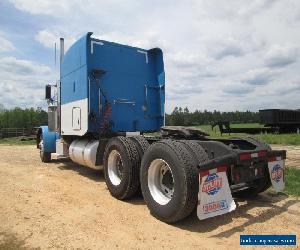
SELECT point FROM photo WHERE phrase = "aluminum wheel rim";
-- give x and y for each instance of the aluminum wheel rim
(41, 146)
(160, 181)
(115, 167)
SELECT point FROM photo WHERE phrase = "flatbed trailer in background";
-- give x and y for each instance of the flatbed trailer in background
(285, 120)
(275, 121)
(225, 127)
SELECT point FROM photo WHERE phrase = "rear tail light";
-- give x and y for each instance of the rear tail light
(262, 153)
(274, 158)
(245, 157)
(249, 156)
(211, 171)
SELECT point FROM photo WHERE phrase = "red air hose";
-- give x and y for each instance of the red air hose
(105, 118)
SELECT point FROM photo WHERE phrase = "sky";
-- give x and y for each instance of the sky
(218, 55)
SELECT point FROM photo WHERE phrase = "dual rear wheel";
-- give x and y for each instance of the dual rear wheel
(122, 160)
(169, 179)
(166, 171)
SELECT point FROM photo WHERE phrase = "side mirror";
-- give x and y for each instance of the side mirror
(48, 92)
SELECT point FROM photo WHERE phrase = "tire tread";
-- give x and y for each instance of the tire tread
(190, 199)
(133, 170)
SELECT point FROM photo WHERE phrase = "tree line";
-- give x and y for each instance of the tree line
(22, 118)
(34, 117)
(183, 117)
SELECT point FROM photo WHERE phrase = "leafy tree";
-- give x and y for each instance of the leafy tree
(22, 118)
(183, 117)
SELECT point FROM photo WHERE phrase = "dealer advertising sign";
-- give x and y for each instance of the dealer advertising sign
(276, 171)
(214, 194)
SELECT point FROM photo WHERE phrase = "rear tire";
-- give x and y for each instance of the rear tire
(169, 181)
(197, 151)
(141, 144)
(121, 167)
(198, 155)
(45, 156)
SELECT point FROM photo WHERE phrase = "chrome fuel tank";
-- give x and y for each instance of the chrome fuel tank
(84, 152)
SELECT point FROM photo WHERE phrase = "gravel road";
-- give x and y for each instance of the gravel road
(293, 154)
(63, 205)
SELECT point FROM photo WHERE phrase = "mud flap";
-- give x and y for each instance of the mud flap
(214, 196)
(276, 171)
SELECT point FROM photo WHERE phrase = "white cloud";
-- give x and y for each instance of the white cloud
(5, 45)
(279, 56)
(259, 76)
(237, 88)
(22, 82)
(14, 66)
(48, 39)
(212, 49)
(221, 47)
(230, 10)
(254, 7)
(46, 7)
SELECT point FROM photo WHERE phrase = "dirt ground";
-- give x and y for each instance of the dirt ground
(63, 205)
(293, 154)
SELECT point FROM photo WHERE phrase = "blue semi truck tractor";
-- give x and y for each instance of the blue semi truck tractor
(101, 114)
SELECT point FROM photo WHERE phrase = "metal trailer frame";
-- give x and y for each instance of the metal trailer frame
(224, 127)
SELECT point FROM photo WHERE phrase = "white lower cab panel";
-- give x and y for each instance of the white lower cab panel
(74, 117)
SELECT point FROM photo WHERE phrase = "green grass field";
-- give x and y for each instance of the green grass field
(292, 181)
(285, 139)
(16, 141)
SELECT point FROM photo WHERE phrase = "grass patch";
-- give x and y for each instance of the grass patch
(246, 125)
(284, 139)
(292, 181)
(16, 141)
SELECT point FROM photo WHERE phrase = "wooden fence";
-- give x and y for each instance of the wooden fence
(14, 132)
